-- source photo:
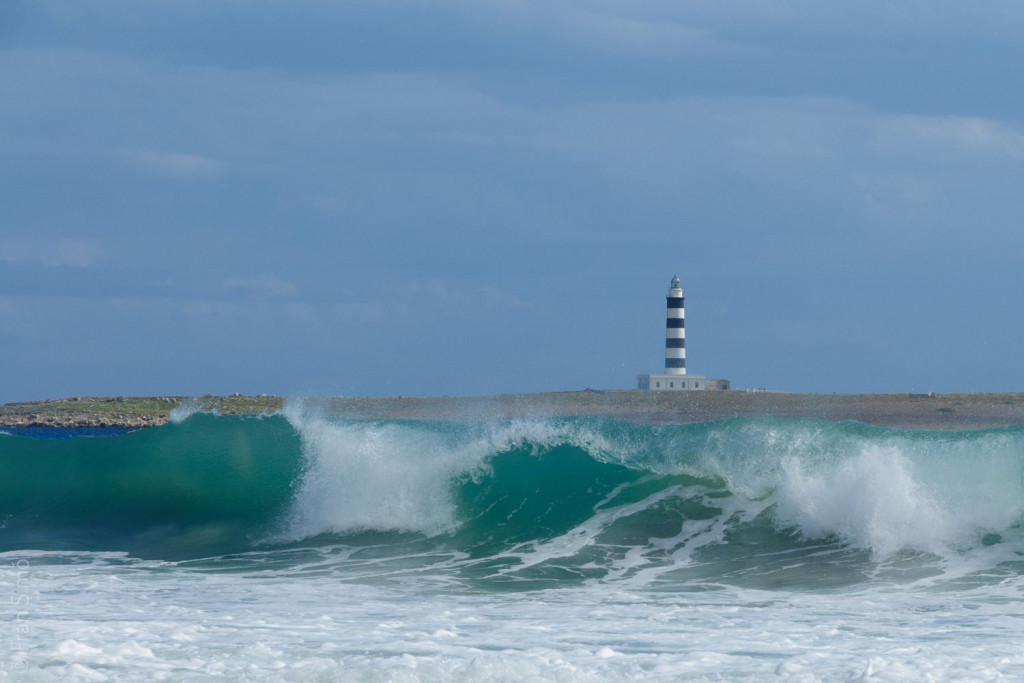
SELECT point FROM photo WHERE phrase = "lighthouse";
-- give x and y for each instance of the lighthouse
(675, 330)
(674, 377)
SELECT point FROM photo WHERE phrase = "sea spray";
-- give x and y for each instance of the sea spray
(938, 494)
(371, 476)
(185, 409)
(870, 501)
(403, 475)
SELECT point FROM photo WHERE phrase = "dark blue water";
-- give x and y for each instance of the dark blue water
(64, 432)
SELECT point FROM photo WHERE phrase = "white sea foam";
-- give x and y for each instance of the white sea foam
(400, 476)
(884, 492)
(872, 501)
(940, 498)
(370, 476)
(323, 613)
(175, 624)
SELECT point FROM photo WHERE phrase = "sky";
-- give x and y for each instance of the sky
(324, 197)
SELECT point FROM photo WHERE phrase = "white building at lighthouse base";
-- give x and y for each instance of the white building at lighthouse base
(671, 382)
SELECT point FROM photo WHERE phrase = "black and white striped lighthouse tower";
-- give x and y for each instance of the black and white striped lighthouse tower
(675, 330)
(675, 377)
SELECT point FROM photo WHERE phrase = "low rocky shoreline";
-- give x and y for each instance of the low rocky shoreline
(127, 412)
(914, 411)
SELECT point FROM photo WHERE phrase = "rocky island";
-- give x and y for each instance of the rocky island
(915, 411)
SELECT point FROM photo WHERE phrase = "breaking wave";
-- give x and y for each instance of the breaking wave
(755, 501)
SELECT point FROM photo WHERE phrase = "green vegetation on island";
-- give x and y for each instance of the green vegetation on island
(126, 411)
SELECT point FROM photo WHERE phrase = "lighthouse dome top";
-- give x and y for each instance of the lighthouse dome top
(674, 289)
(675, 282)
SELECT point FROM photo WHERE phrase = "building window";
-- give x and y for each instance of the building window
(671, 385)
(658, 385)
(696, 385)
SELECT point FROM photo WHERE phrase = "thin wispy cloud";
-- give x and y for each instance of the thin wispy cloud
(263, 285)
(952, 134)
(173, 165)
(51, 252)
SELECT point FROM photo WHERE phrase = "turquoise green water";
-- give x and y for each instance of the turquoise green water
(698, 503)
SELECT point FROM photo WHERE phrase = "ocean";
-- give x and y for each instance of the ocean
(295, 547)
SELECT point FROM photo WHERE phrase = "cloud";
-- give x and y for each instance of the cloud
(70, 252)
(172, 164)
(54, 252)
(951, 134)
(264, 285)
(600, 31)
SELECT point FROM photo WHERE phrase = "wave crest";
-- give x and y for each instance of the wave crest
(585, 493)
